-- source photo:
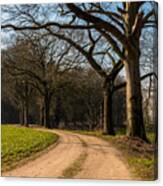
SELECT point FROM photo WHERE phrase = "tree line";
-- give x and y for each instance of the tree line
(107, 36)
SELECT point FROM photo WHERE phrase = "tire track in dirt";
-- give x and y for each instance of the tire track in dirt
(55, 161)
(101, 160)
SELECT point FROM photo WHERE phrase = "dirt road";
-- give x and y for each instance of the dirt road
(101, 160)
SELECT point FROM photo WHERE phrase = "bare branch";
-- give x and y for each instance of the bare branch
(38, 26)
(123, 85)
(99, 24)
(90, 59)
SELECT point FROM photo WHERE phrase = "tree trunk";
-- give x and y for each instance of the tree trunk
(21, 115)
(57, 112)
(135, 123)
(156, 110)
(101, 119)
(47, 112)
(26, 104)
(23, 123)
(26, 115)
(107, 117)
(41, 117)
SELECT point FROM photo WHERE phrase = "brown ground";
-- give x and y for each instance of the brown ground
(102, 160)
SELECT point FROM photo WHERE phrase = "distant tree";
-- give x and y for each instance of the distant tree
(81, 100)
(36, 63)
(120, 26)
(16, 89)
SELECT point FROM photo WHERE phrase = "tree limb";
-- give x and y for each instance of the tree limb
(122, 85)
(98, 23)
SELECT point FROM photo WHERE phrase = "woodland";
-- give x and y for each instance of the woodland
(85, 66)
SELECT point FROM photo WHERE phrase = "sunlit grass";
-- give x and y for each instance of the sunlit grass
(19, 143)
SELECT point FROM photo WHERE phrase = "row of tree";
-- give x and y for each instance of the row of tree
(105, 35)
(76, 93)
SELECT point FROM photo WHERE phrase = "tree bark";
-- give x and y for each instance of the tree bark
(135, 123)
(21, 115)
(26, 105)
(41, 117)
(23, 122)
(107, 116)
(25, 115)
(47, 112)
(57, 112)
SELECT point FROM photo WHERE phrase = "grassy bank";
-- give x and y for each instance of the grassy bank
(19, 143)
(139, 155)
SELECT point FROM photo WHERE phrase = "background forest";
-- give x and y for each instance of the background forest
(90, 68)
(69, 73)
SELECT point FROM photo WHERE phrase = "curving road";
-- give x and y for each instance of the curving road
(102, 160)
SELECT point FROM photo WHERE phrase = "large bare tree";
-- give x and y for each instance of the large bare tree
(119, 25)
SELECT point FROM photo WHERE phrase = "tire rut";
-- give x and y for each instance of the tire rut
(103, 161)
(54, 162)
(100, 160)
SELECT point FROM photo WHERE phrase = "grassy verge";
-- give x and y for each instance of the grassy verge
(19, 143)
(139, 155)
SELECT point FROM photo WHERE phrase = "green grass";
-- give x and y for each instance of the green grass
(143, 167)
(19, 143)
(139, 155)
(151, 136)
